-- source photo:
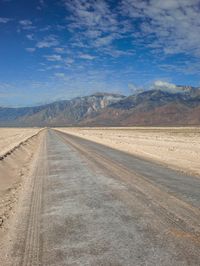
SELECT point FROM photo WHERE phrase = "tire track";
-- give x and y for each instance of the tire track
(32, 247)
(180, 214)
(53, 181)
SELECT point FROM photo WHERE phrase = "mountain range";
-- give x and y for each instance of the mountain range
(156, 107)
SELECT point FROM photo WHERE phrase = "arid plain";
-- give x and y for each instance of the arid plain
(100, 196)
(12, 137)
(177, 147)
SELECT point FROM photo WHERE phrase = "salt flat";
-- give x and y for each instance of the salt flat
(177, 147)
(11, 137)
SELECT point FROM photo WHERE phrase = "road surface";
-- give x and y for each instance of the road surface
(88, 204)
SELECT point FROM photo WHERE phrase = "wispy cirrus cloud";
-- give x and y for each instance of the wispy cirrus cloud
(87, 56)
(59, 50)
(30, 36)
(59, 75)
(69, 61)
(104, 44)
(168, 26)
(93, 23)
(92, 15)
(105, 40)
(53, 57)
(5, 20)
(48, 41)
(26, 24)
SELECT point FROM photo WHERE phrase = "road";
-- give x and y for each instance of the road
(87, 204)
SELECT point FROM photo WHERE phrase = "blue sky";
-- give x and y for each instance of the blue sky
(52, 50)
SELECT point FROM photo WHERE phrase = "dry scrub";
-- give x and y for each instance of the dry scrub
(175, 147)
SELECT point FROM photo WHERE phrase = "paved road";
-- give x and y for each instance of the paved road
(88, 204)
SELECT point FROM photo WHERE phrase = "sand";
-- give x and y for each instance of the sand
(176, 147)
(11, 137)
(17, 150)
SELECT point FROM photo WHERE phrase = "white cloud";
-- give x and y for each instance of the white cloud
(48, 41)
(92, 15)
(69, 61)
(163, 27)
(25, 22)
(60, 75)
(104, 41)
(53, 58)
(59, 50)
(93, 34)
(30, 37)
(172, 26)
(98, 23)
(87, 56)
(46, 28)
(169, 87)
(4, 20)
(163, 85)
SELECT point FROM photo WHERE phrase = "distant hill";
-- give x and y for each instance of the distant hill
(68, 112)
(152, 107)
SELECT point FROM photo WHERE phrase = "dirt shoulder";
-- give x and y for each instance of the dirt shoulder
(14, 171)
(176, 147)
(12, 137)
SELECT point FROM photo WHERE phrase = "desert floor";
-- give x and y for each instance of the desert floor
(17, 148)
(11, 137)
(66, 199)
(175, 147)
